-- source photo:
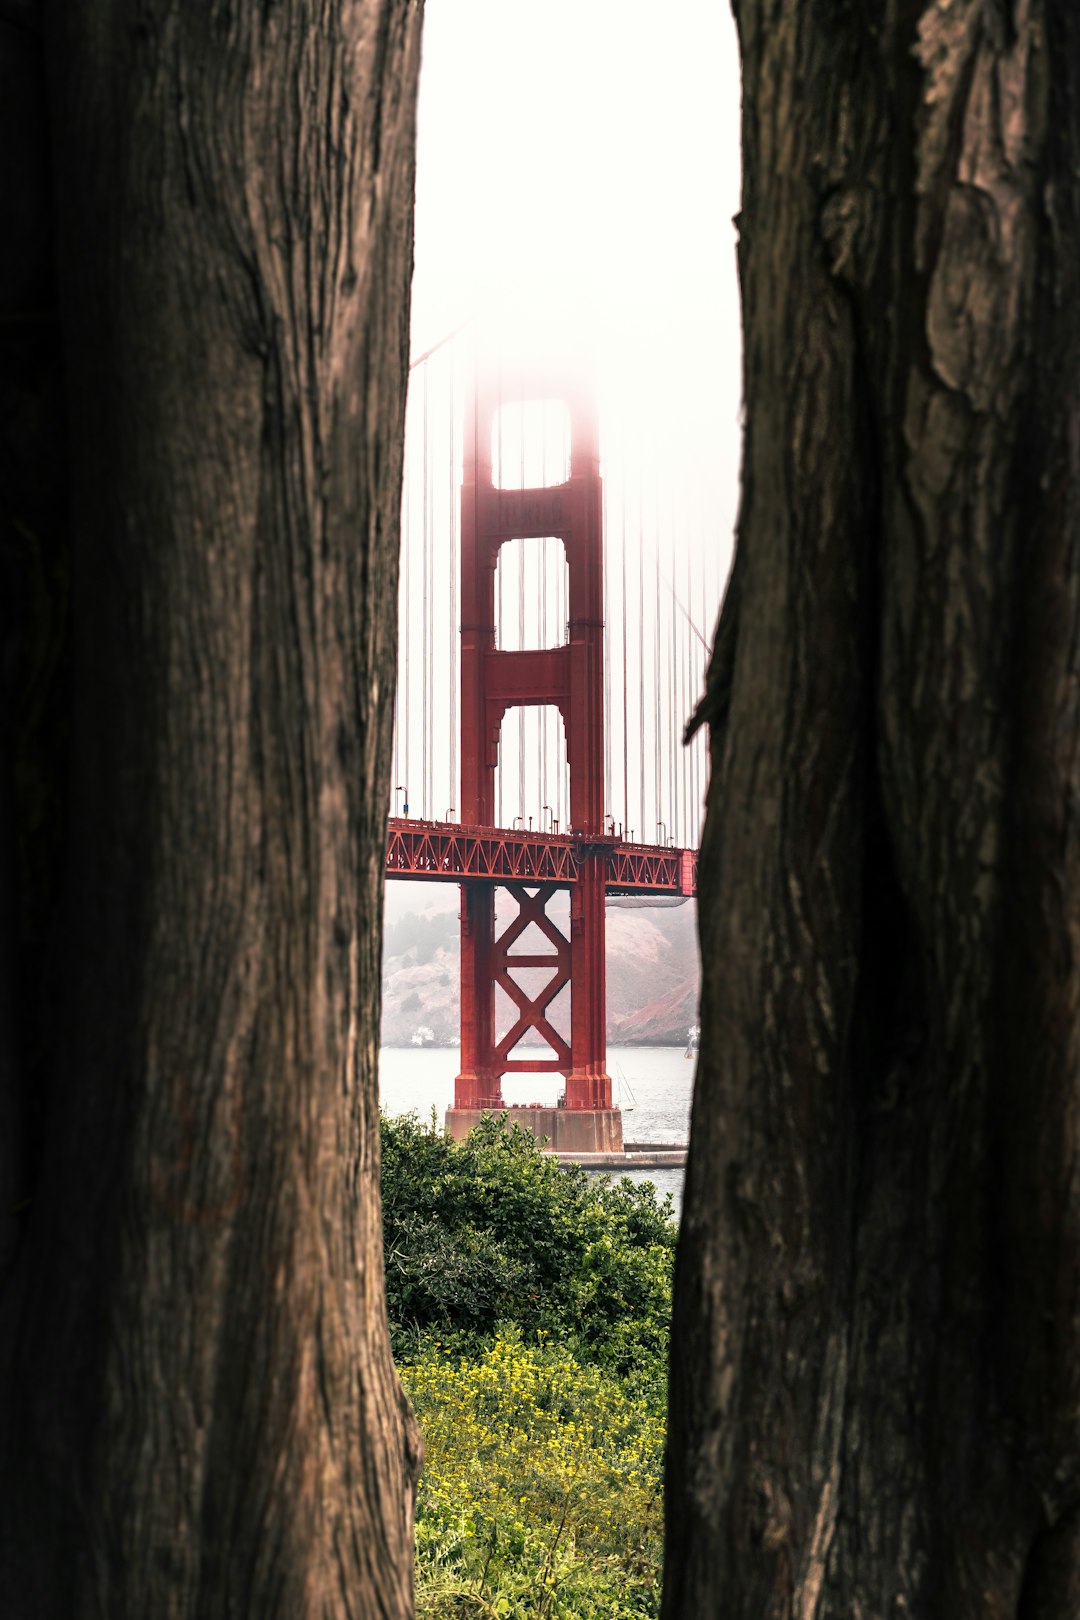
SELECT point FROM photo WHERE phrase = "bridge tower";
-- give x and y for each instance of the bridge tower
(571, 678)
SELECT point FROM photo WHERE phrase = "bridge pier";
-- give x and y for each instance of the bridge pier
(565, 1130)
(478, 1084)
(588, 1085)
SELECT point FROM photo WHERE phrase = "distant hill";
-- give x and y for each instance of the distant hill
(652, 968)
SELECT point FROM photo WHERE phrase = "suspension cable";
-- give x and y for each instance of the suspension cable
(453, 518)
(605, 645)
(407, 705)
(426, 554)
(622, 618)
(542, 588)
(658, 769)
(519, 559)
(641, 671)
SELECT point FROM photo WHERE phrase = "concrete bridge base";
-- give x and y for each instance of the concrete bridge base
(567, 1130)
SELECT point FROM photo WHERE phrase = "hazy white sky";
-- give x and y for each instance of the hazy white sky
(579, 163)
(578, 170)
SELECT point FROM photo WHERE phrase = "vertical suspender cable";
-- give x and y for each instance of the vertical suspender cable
(540, 727)
(396, 777)
(691, 794)
(520, 561)
(605, 652)
(564, 768)
(406, 691)
(662, 706)
(426, 651)
(432, 659)
(676, 706)
(564, 793)
(684, 707)
(500, 575)
(641, 661)
(693, 659)
(701, 664)
(452, 796)
(684, 710)
(544, 641)
(680, 715)
(541, 592)
(673, 631)
(691, 690)
(672, 661)
(662, 637)
(624, 818)
(700, 754)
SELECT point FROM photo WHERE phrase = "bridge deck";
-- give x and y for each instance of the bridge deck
(442, 851)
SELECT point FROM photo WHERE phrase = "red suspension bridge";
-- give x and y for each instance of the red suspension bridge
(551, 648)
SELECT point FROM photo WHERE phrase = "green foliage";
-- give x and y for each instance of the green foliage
(492, 1230)
(540, 1494)
(529, 1307)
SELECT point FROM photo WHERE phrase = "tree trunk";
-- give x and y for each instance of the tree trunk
(876, 1372)
(202, 1416)
(33, 601)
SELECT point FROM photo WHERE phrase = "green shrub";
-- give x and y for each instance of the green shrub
(529, 1310)
(492, 1230)
(540, 1494)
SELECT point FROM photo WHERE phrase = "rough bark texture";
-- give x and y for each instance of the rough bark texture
(201, 1415)
(876, 1372)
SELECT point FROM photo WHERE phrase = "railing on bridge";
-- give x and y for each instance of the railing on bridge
(440, 850)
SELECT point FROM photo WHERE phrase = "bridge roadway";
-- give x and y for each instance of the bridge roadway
(443, 851)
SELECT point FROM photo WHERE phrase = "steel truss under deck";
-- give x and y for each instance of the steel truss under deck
(439, 850)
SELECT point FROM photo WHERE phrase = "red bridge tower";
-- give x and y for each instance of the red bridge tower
(570, 677)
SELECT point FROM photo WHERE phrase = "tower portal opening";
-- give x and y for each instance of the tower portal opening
(532, 595)
(532, 777)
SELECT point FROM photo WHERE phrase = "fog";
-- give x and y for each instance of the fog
(577, 178)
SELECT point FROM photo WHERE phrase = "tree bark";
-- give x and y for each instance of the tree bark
(202, 1416)
(876, 1365)
(33, 608)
